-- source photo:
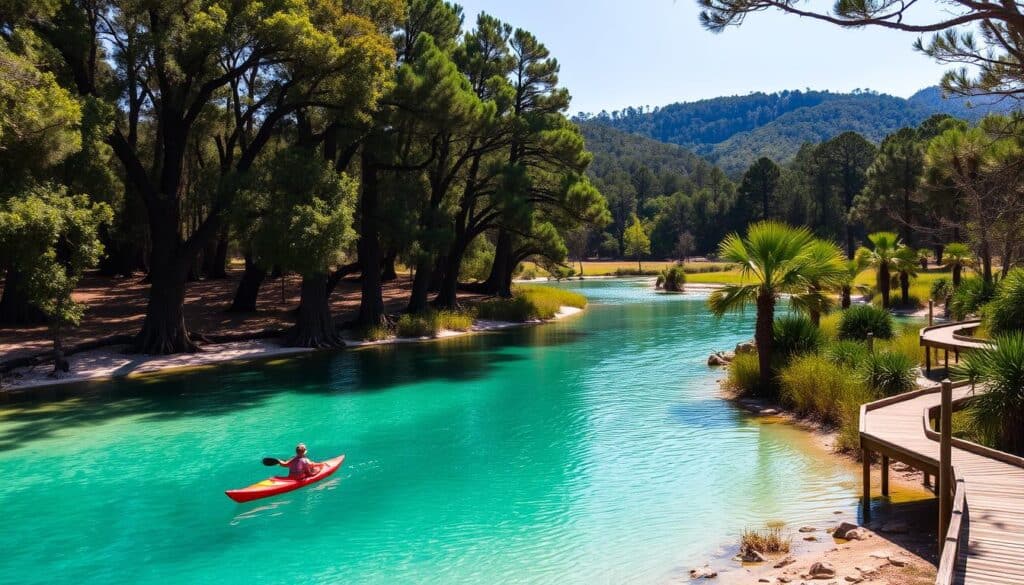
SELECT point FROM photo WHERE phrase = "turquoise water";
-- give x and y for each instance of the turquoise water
(591, 450)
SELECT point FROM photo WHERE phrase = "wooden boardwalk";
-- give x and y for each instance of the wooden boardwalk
(985, 540)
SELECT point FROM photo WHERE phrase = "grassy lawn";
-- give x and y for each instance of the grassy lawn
(611, 267)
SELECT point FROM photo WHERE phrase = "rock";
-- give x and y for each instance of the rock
(752, 556)
(768, 411)
(897, 562)
(784, 579)
(763, 580)
(717, 359)
(811, 538)
(784, 562)
(746, 347)
(807, 529)
(822, 570)
(852, 579)
(844, 529)
(895, 527)
(703, 573)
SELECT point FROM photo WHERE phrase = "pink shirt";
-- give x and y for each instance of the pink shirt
(299, 468)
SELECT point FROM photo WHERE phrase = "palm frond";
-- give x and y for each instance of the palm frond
(732, 298)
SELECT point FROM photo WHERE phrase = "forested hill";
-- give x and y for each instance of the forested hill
(734, 131)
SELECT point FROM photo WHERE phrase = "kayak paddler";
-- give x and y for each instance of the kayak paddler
(300, 467)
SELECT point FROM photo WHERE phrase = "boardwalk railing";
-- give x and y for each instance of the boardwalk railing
(954, 536)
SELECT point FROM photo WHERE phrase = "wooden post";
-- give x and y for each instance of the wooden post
(945, 353)
(871, 342)
(885, 475)
(931, 312)
(928, 360)
(945, 462)
(866, 480)
(927, 479)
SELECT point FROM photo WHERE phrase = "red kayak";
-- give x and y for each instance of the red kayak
(273, 486)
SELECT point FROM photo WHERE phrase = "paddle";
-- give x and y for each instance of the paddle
(271, 462)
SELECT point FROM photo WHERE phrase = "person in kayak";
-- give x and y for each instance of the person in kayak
(300, 467)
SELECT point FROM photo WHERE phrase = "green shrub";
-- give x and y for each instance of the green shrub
(889, 373)
(906, 343)
(847, 353)
(795, 335)
(969, 297)
(477, 260)
(859, 320)
(744, 375)
(1005, 313)
(636, 272)
(941, 290)
(430, 323)
(672, 279)
(829, 325)
(997, 415)
(528, 274)
(374, 333)
(529, 303)
(814, 386)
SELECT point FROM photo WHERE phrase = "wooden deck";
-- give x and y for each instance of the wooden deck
(950, 337)
(985, 541)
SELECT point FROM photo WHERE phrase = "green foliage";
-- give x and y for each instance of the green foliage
(859, 320)
(889, 372)
(374, 333)
(431, 323)
(476, 263)
(672, 278)
(906, 343)
(1005, 312)
(530, 303)
(636, 242)
(52, 237)
(795, 335)
(941, 289)
(997, 414)
(744, 375)
(969, 297)
(812, 385)
(847, 353)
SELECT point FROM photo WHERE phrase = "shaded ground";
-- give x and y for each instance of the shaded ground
(117, 306)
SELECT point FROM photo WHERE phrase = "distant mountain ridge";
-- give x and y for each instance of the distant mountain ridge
(733, 131)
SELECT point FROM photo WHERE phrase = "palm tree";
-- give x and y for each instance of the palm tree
(957, 256)
(906, 263)
(882, 257)
(997, 414)
(775, 259)
(813, 301)
(853, 266)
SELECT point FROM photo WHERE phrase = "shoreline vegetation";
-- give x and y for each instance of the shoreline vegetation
(530, 305)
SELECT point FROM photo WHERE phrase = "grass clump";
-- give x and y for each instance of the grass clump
(814, 386)
(859, 320)
(794, 335)
(374, 333)
(907, 343)
(1005, 313)
(672, 279)
(529, 303)
(744, 375)
(969, 297)
(430, 323)
(768, 540)
(889, 373)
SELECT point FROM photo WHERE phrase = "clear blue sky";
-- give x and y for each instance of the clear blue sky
(615, 54)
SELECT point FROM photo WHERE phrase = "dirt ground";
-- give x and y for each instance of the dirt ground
(117, 306)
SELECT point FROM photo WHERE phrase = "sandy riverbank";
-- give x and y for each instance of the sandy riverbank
(898, 546)
(112, 362)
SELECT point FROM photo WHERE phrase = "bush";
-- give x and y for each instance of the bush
(431, 323)
(374, 333)
(1005, 313)
(529, 303)
(997, 415)
(477, 261)
(889, 373)
(672, 279)
(859, 320)
(813, 385)
(906, 343)
(794, 335)
(829, 325)
(941, 290)
(969, 297)
(744, 375)
(847, 353)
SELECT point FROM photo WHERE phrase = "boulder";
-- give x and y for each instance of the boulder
(717, 359)
(784, 562)
(822, 570)
(746, 347)
(752, 556)
(807, 529)
(849, 531)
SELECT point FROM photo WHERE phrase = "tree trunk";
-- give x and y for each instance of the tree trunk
(845, 297)
(371, 302)
(1007, 258)
(248, 288)
(387, 272)
(420, 288)
(215, 258)
(164, 330)
(938, 254)
(339, 274)
(986, 261)
(884, 283)
(957, 274)
(15, 307)
(495, 283)
(905, 287)
(314, 326)
(764, 338)
(448, 294)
